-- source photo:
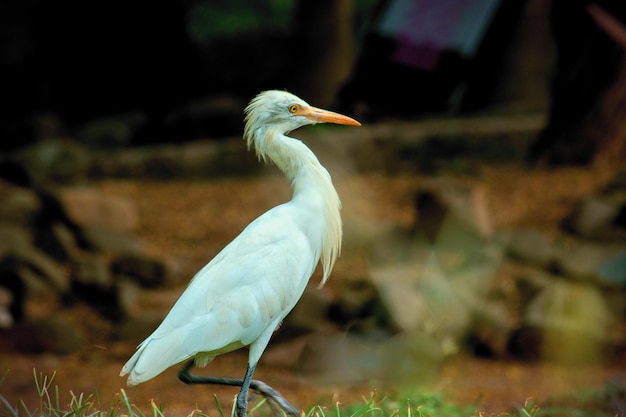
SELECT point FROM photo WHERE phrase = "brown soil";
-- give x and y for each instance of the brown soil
(189, 222)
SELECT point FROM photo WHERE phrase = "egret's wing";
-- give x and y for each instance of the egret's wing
(262, 272)
(245, 291)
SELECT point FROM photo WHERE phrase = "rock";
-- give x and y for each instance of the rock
(15, 287)
(573, 320)
(53, 216)
(436, 277)
(286, 354)
(40, 213)
(452, 222)
(410, 359)
(583, 261)
(94, 285)
(104, 301)
(564, 303)
(148, 272)
(7, 299)
(530, 283)
(613, 270)
(492, 327)
(50, 274)
(112, 242)
(618, 182)
(58, 250)
(61, 241)
(92, 270)
(128, 163)
(19, 206)
(338, 358)
(92, 208)
(419, 297)
(196, 159)
(128, 292)
(530, 246)
(309, 315)
(14, 239)
(17, 251)
(472, 282)
(595, 218)
(207, 158)
(55, 160)
(111, 132)
(6, 318)
(526, 342)
(357, 300)
(445, 206)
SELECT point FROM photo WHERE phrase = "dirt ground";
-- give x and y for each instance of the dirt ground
(189, 222)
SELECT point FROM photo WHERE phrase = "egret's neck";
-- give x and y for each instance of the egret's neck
(293, 158)
(312, 185)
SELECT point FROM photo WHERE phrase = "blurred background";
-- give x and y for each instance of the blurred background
(484, 195)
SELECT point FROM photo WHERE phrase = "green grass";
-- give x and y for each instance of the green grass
(80, 405)
(424, 404)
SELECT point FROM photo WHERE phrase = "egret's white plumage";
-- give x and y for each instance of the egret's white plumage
(243, 294)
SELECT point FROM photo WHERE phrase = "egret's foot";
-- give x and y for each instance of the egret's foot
(241, 404)
(276, 401)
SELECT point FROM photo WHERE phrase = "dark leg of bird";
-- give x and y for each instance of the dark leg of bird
(273, 397)
(242, 398)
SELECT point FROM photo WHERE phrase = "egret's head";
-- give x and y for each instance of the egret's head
(284, 112)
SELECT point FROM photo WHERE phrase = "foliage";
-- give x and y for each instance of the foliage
(423, 404)
(209, 18)
(606, 401)
(80, 405)
(213, 18)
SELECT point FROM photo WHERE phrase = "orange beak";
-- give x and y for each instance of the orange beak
(325, 116)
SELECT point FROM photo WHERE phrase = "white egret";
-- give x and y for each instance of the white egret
(241, 296)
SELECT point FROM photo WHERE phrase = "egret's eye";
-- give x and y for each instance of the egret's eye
(294, 108)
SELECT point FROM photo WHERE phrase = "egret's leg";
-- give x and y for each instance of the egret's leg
(260, 387)
(242, 398)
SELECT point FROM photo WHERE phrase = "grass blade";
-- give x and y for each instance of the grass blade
(219, 405)
(126, 402)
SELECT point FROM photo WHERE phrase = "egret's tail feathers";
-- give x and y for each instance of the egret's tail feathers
(153, 357)
(128, 367)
